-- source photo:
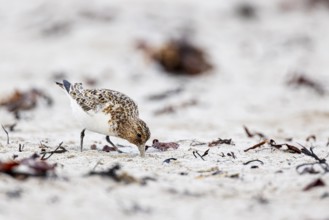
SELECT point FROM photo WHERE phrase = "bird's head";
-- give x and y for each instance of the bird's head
(136, 132)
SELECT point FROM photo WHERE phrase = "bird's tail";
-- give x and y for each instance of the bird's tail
(65, 85)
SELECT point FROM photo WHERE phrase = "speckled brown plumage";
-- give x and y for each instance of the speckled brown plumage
(108, 112)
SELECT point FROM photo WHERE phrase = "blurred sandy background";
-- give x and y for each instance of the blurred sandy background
(255, 49)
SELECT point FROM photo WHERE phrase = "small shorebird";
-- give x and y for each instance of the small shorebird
(107, 112)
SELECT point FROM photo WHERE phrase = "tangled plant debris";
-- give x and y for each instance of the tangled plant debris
(163, 146)
(310, 168)
(107, 148)
(59, 150)
(116, 174)
(220, 141)
(179, 57)
(316, 183)
(196, 154)
(272, 143)
(301, 80)
(27, 167)
(24, 101)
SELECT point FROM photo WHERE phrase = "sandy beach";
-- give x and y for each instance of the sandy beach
(268, 77)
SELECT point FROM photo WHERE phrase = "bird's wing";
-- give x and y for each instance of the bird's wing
(108, 101)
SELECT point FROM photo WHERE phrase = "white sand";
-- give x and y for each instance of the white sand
(252, 59)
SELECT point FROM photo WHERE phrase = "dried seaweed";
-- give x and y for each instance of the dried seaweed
(93, 147)
(24, 101)
(316, 183)
(180, 57)
(107, 148)
(163, 146)
(293, 149)
(311, 153)
(90, 81)
(135, 209)
(251, 161)
(20, 147)
(252, 134)
(256, 146)
(56, 28)
(301, 80)
(205, 153)
(33, 167)
(6, 133)
(290, 147)
(169, 160)
(289, 139)
(311, 137)
(272, 143)
(14, 194)
(117, 175)
(197, 143)
(58, 150)
(316, 3)
(165, 94)
(173, 108)
(246, 11)
(231, 154)
(196, 154)
(310, 167)
(220, 141)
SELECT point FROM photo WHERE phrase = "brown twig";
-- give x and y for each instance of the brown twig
(256, 146)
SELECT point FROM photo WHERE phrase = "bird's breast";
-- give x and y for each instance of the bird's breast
(94, 121)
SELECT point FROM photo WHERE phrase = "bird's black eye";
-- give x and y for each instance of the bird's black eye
(139, 135)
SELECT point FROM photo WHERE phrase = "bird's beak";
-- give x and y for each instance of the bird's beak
(141, 149)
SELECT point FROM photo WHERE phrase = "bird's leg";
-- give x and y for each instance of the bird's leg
(113, 145)
(82, 135)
